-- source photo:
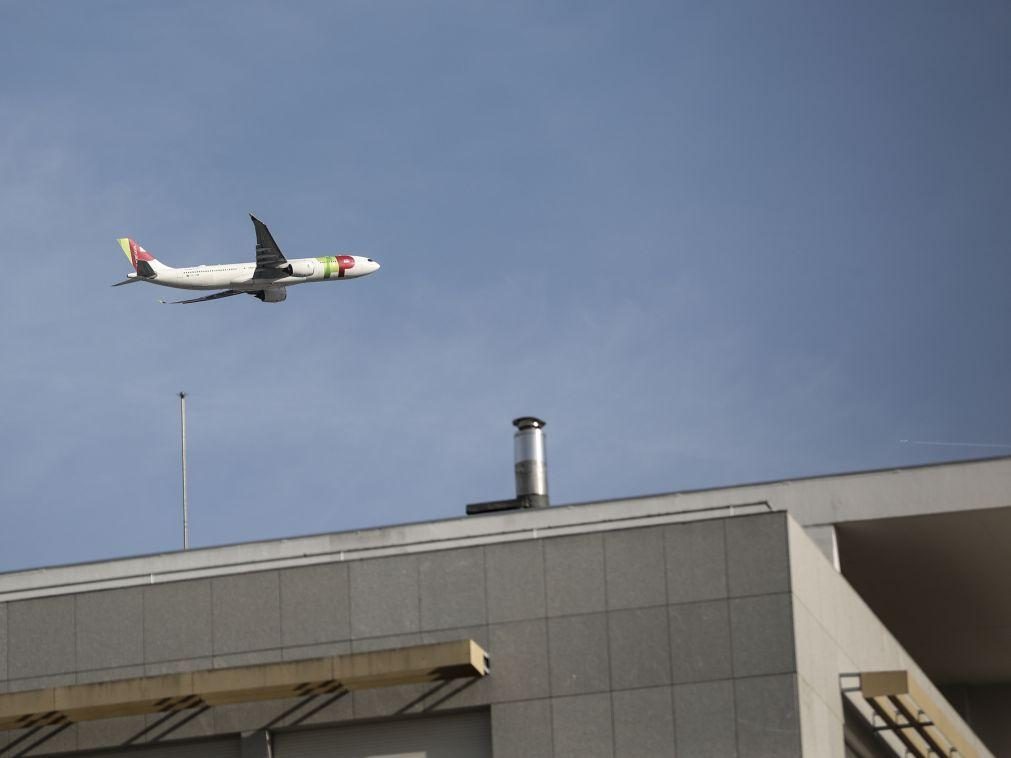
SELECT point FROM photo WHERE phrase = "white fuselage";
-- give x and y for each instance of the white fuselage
(240, 276)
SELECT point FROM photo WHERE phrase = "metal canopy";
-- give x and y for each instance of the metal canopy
(176, 692)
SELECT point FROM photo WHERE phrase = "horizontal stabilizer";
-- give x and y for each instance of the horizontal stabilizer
(129, 280)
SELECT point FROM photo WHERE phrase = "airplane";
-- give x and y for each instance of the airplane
(267, 279)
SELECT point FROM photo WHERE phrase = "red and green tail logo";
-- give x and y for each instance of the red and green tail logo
(134, 252)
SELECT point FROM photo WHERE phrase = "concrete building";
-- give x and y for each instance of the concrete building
(863, 615)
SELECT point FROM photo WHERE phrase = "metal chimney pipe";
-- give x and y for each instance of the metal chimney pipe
(531, 463)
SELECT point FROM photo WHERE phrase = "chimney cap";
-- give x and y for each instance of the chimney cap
(528, 422)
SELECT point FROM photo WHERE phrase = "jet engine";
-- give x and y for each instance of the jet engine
(273, 295)
(300, 269)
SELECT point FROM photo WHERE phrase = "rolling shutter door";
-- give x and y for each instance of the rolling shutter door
(217, 748)
(464, 735)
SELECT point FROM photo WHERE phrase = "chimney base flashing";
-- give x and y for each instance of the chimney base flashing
(523, 502)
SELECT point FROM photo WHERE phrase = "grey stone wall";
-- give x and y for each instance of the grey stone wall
(621, 643)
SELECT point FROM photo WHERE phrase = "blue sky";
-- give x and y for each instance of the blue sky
(709, 243)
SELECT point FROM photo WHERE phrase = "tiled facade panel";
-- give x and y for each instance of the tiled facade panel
(246, 613)
(522, 729)
(696, 561)
(519, 659)
(704, 720)
(384, 596)
(41, 637)
(761, 628)
(452, 588)
(639, 648)
(582, 726)
(38, 742)
(386, 701)
(758, 561)
(624, 642)
(578, 658)
(700, 641)
(177, 621)
(315, 605)
(643, 722)
(110, 629)
(574, 568)
(99, 734)
(634, 561)
(515, 581)
(768, 722)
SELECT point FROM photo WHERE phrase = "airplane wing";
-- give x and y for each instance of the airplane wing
(215, 296)
(268, 254)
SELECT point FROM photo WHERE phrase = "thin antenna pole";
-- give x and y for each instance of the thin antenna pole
(186, 510)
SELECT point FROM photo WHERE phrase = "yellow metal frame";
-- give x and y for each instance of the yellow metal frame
(174, 692)
(909, 712)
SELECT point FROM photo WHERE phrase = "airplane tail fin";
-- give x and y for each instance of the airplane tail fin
(145, 264)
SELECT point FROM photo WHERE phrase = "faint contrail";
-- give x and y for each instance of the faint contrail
(955, 444)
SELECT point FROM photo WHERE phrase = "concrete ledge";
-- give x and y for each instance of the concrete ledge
(229, 560)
